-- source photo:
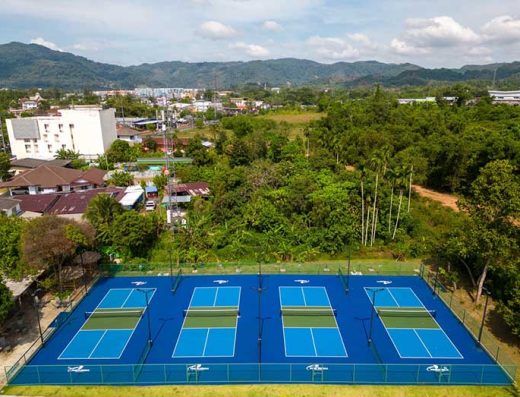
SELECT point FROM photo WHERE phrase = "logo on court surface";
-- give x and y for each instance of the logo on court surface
(302, 281)
(316, 367)
(78, 369)
(197, 368)
(220, 282)
(138, 283)
(384, 282)
(437, 368)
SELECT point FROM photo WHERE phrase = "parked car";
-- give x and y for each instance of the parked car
(150, 205)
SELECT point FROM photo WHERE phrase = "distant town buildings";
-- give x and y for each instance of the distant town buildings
(87, 130)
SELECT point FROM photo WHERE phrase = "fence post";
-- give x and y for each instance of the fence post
(464, 316)
(38, 372)
(417, 375)
(164, 373)
(496, 355)
(451, 298)
(290, 372)
(101, 374)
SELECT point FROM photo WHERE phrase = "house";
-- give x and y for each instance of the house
(52, 179)
(21, 165)
(67, 205)
(9, 206)
(88, 130)
(31, 103)
(185, 192)
(128, 134)
(74, 205)
(151, 192)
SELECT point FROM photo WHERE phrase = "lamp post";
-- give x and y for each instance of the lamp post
(36, 309)
(483, 314)
(145, 292)
(374, 292)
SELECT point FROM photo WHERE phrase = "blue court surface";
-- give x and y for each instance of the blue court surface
(216, 341)
(107, 343)
(314, 340)
(295, 329)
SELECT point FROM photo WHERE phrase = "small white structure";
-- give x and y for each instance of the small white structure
(87, 130)
(133, 196)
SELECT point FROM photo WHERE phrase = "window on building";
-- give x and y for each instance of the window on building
(63, 146)
(49, 148)
(36, 150)
(27, 140)
(60, 127)
(46, 127)
(71, 127)
(27, 148)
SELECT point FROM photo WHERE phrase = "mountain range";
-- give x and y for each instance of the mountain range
(35, 66)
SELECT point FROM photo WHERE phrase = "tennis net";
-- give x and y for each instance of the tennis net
(211, 312)
(405, 313)
(114, 314)
(325, 311)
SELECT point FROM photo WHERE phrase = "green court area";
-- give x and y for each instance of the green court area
(304, 317)
(211, 317)
(112, 319)
(407, 318)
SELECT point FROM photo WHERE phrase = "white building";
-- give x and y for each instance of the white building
(87, 130)
(507, 97)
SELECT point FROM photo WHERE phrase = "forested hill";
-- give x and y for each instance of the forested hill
(34, 66)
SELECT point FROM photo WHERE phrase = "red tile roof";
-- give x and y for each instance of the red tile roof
(48, 176)
(37, 202)
(77, 202)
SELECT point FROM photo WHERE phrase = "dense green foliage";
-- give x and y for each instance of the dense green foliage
(5, 165)
(121, 179)
(10, 246)
(446, 145)
(6, 302)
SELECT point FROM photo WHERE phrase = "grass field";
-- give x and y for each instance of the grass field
(264, 391)
(295, 118)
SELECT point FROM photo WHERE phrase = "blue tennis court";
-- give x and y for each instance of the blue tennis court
(413, 330)
(210, 323)
(104, 342)
(309, 324)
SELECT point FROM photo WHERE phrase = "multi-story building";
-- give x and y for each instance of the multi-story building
(87, 130)
(505, 97)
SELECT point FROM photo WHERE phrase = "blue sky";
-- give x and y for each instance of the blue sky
(436, 33)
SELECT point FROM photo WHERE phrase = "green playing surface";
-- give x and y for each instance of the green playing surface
(113, 319)
(407, 318)
(315, 317)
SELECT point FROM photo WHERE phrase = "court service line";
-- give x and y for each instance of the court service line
(216, 295)
(99, 341)
(313, 343)
(205, 343)
(392, 296)
(422, 343)
(303, 295)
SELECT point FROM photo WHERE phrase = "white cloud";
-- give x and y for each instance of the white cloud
(253, 50)
(272, 26)
(216, 31)
(45, 43)
(333, 48)
(363, 40)
(502, 30)
(403, 48)
(441, 31)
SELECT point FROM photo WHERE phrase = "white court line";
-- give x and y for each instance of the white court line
(216, 295)
(126, 300)
(313, 343)
(422, 343)
(303, 295)
(392, 296)
(99, 341)
(205, 343)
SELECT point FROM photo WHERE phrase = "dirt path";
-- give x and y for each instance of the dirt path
(447, 200)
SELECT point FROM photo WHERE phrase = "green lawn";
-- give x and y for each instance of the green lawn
(263, 391)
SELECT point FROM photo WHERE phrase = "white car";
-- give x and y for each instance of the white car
(150, 205)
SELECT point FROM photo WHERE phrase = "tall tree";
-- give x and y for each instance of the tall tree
(493, 207)
(101, 213)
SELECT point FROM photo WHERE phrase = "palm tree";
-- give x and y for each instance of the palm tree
(401, 183)
(410, 188)
(391, 178)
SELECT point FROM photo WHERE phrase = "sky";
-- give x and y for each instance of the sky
(433, 33)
